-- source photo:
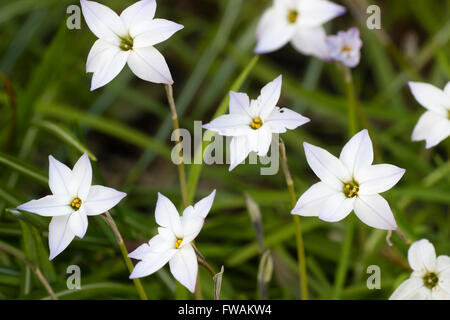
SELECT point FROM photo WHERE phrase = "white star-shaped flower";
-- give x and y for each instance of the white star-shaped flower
(349, 183)
(173, 242)
(72, 201)
(252, 123)
(433, 125)
(345, 47)
(127, 39)
(297, 21)
(430, 279)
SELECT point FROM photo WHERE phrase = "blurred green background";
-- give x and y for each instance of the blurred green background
(46, 108)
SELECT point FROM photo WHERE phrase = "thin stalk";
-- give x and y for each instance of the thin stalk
(341, 271)
(202, 261)
(298, 229)
(176, 127)
(137, 283)
(181, 171)
(33, 267)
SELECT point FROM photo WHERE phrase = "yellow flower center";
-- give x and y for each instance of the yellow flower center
(351, 189)
(256, 123)
(292, 16)
(346, 48)
(126, 43)
(430, 280)
(178, 243)
(76, 204)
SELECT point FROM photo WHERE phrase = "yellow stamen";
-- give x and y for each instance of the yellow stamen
(76, 204)
(126, 43)
(351, 189)
(256, 123)
(178, 243)
(292, 16)
(346, 48)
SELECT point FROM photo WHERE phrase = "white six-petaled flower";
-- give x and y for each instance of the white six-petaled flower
(297, 21)
(349, 183)
(252, 123)
(127, 39)
(433, 125)
(72, 201)
(430, 279)
(173, 242)
(345, 47)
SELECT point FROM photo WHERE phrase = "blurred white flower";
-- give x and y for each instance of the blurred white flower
(173, 242)
(252, 123)
(430, 279)
(349, 183)
(345, 47)
(128, 38)
(299, 22)
(434, 124)
(73, 200)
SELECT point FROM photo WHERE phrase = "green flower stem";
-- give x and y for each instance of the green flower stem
(137, 283)
(341, 271)
(181, 171)
(298, 230)
(33, 267)
(202, 261)
(176, 127)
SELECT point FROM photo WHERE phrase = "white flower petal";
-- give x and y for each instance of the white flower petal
(447, 89)
(438, 133)
(154, 32)
(191, 228)
(311, 41)
(443, 265)
(317, 12)
(374, 211)
(141, 11)
(422, 256)
(152, 263)
(312, 200)
(240, 104)
(100, 199)
(408, 290)
(440, 293)
(81, 177)
(99, 53)
(273, 32)
(103, 21)
(78, 222)
(283, 118)
(106, 65)
(327, 167)
(264, 140)
(157, 244)
(49, 206)
(336, 207)
(239, 150)
(357, 153)
(424, 126)
(202, 207)
(59, 176)
(230, 125)
(378, 178)
(430, 97)
(184, 267)
(267, 100)
(167, 216)
(140, 252)
(59, 235)
(149, 65)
